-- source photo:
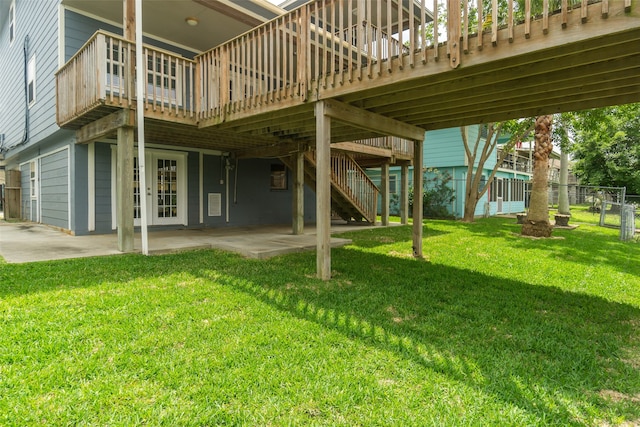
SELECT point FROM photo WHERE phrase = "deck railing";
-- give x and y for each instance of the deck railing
(336, 42)
(398, 146)
(102, 72)
(320, 45)
(353, 181)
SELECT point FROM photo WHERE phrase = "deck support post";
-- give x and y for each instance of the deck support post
(323, 191)
(124, 188)
(404, 194)
(298, 192)
(417, 198)
(384, 191)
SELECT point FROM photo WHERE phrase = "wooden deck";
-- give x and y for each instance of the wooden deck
(259, 89)
(334, 72)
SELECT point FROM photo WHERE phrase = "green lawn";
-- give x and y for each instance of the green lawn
(490, 329)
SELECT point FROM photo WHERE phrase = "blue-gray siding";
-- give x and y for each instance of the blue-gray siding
(36, 28)
(54, 189)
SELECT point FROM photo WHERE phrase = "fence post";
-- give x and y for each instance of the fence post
(603, 209)
(627, 222)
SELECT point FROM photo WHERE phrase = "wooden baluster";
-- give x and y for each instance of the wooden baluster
(583, 11)
(400, 30)
(565, 13)
(527, 18)
(412, 35)
(341, 44)
(350, 40)
(389, 38)
(436, 50)
(465, 30)
(545, 16)
(369, 32)
(423, 27)
(379, 55)
(480, 24)
(494, 23)
(280, 58)
(510, 21)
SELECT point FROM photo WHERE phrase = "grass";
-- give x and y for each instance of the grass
(489, 329)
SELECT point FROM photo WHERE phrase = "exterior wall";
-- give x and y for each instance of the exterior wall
(444, 151)
(54, 189)
(36, 31)
(250, 200)
(443, 148)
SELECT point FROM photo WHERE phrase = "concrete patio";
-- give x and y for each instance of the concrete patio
(29, 242)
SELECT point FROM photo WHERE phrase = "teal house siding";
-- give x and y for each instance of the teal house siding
(443, 152)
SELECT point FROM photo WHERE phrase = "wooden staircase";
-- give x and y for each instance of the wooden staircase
(354, 197)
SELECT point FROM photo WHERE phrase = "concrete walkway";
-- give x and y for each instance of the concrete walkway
(28, 242)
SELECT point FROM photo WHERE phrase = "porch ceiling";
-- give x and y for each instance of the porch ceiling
(165, 19)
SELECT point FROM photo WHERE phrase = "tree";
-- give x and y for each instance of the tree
(474, 188)
(606, 146)
(536, 223)
(563, 140)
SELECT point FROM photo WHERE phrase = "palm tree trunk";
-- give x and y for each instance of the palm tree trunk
(537, 221)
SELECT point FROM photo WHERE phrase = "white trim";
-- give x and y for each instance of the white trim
(61, 36)
(183, 198)
(12, 22)
(114, 223)
(69, 189)
(91, 178)
(32, 76)
(201, 186)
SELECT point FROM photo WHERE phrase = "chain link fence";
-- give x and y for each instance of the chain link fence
(613, 206)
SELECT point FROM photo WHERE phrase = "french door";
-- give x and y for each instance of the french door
(166, 188)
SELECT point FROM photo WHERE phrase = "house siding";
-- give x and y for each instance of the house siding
(54, 189)
(443, 148)
(102, 188)
(36, 27)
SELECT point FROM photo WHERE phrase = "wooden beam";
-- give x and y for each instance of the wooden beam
(417, 199)
(297, 161)
(384, 191)
(354, 147)
(124, 189)
(228, 9)
(105, 126)
(323, 191)
(368, 120)
(404, 195)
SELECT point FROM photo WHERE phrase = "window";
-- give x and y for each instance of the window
(33, 180)
(31, 81)
(12, 22)
(278, 177)
(493, 191)
(518, 190)
(393, 184)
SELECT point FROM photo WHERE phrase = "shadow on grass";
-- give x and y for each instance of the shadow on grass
(548, 352)
(551, 353)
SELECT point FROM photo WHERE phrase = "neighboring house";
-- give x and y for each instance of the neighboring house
(443, 152)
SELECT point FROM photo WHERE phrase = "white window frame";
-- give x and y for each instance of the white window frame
(33, 179)
(12, 22)
(31, 80)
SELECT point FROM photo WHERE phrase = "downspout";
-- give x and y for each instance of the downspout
(25, 136)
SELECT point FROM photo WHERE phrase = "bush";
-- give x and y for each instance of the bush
(437, 195)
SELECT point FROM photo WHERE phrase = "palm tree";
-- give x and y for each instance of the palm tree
(537, 223)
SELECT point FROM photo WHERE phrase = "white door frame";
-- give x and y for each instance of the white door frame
(151, 192)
